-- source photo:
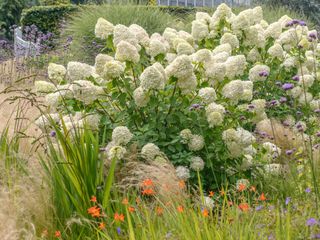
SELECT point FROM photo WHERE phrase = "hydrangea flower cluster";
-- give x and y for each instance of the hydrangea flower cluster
(197, 97)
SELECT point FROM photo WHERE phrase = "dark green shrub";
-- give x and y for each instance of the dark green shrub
(54, 2)
(47, 18)
(10, 12)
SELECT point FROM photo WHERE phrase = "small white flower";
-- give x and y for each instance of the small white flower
(100, 61)
(231, 39)
(208, 202)
(233, 90)
(183, 173)
(113, 69)
(199, 30)
(121, 135)
(196, 143)
(235, 66)
(150, 151)
(44, 87)
(197, 164)
(181, 67)
(79, 71)
(117, 152)
(186, 135)
(153, 79)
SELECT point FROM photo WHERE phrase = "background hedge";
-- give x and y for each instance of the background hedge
(47, 18)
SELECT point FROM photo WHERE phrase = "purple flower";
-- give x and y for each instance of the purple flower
(308, 190)
(287, 86)
(288, 199)
(315, 236)
(53, 134)
(302, 23)
(283, 99)
(258, 208)
(289, 152)
(311, 222)
(318, 134)
(119, 230)
(263, 74)
(295, 78)
(317, 111)
(195, 106)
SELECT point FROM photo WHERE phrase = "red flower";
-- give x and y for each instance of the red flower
(262, 197)
(119, 217)
(244, 207)
(180, 209)
(211, 194)
(94, 211)
(205, 213)
(93, 199)
(147, 182)
(57, 234)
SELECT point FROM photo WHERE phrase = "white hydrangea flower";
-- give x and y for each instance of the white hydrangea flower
(259, 73)
(259, 105)
(140, 34)
(315, 104)
(202, 55)
(79, 71)
(169, 35)
(186, 36)
(184, 48)
(295, 92)
(247, 91)
(306, 81)
(181, 67)
(86, 91)
(103, 28)
(44, 87)
(250, 150)
(235, 66)
(274, 30)
(91, 121)
(240, 22)
(230, 135)
(234, 150)
(196, 143)
(276, 51)
(156, 47)
(152, 79)
(188, 84)
(56, 73)
(150, 151)
(121, 135)
(246, 137)
(231, 39)
(45, 121)
(233, 90)
(208, 202)
(273, 169)
(117, 152)
(284, 20)
(255, 36)
(100, 61)
(141, 97)
(254, 55)
(200, 30)
(183, 173)
(216, 72)
(127, 52)
(222, 11)
(220, 57)
(225, 47)
(305, 98)
(215, 119)
(207, 95)
(113, 69)
(123, 33)
(257, 14)
(203, 17)
(186, 135)
(197, 164)
(273, 151)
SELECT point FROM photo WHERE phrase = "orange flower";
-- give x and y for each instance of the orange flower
(253, 189)
(119, 217)
(148, 191)
(159, 210)
(57, 234)
(262, 197)
(244, 207)
(242, 187)
(147, 182)
(222, 192)
(102, 225)
(182, 184)
(180, 209)
(94, 211)
(125, 201)
(211, 194)
(131, 209)
(205, 212)
(93, 199)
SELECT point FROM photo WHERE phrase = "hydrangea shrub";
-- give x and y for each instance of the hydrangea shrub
(195, 98)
